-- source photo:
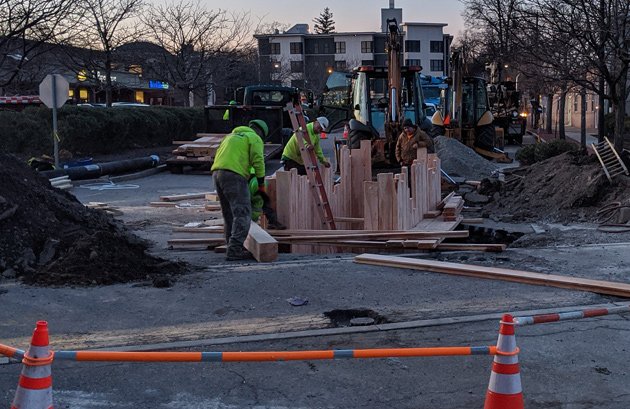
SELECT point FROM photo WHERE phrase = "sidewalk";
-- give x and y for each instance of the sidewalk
(574, 134)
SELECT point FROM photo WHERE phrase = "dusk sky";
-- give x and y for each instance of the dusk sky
(350, 15)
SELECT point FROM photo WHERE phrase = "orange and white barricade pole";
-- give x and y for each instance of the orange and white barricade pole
(34, 389)
(504, 389)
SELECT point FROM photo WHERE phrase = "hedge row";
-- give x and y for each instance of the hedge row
(89, 131)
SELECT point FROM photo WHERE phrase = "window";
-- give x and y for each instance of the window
(274, 48)
(366, 47)
(437, 47)
(295, 48)
(326, 48)
(592, 102)
(575, 104)
(412, 61)
(412, 46)
(315, 48)
(340, 65)
(367, 62)
(297, 66)
(437, 65)
(340, 47)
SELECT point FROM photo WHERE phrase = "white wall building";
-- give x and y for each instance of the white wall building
(302, 59)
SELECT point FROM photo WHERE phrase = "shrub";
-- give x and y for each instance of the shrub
(538, 152)
(88, 131)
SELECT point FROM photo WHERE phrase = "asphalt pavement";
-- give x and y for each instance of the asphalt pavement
(244, 306)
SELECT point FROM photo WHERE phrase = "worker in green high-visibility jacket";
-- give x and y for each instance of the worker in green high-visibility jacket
(291, 156)
(261, 204)
(238, 153)
(226, 114)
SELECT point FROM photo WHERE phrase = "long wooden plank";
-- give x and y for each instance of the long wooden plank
(185, 196)
(261, 244)
(375, 236)
(492, 248)
(518, 276)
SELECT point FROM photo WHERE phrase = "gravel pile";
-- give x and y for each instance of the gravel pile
(460, 160)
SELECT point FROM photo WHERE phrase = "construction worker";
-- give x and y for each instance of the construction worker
(226, 114)
(409, 140)
(239, 151)
(291, 156)
(261, 204)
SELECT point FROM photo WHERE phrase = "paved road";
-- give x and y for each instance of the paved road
(573, 364)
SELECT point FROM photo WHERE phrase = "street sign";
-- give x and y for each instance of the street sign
(53, 90)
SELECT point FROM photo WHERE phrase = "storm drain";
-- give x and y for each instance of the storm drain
(355, 317)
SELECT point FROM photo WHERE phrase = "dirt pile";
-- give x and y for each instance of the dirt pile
(459, 160)
(47, 237)
(570, 187)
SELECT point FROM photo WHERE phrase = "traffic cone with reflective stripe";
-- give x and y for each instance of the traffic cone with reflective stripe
(34, 389)
(504, 389)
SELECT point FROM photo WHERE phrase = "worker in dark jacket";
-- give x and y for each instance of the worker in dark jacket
(409, 140)
(239, 152)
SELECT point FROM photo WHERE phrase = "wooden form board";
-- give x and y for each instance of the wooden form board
(392, 202)
(524, 277)
(261, 244)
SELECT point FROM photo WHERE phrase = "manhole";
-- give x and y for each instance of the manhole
(354, 317)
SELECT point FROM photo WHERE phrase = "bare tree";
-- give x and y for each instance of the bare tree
(103, 26)
(25, 25)
(495, 23)
(593, 37)
(193, 38)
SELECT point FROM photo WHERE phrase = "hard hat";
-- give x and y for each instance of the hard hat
(260, 124)
(323, 121)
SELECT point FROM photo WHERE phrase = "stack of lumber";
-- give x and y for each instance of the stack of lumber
(210, 204)
(453, 208)
(203, 148)
(394, 202)
(62, 182)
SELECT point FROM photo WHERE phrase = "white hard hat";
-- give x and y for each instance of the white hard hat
(323, 121)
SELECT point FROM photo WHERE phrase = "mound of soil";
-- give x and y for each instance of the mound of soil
(47, 237)
(564, 188)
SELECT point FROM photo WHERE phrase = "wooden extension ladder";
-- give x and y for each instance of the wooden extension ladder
(609, 158)
(310, 163)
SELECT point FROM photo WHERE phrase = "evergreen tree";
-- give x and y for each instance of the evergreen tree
(324, 24)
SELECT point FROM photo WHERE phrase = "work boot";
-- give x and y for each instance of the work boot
(238, 253)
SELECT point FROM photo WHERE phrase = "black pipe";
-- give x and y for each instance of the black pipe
(108, 168)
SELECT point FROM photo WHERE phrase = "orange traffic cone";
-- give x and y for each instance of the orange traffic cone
(346, 131)
(504, 389)
(34, 389)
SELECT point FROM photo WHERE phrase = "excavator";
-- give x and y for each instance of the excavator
(381, 98)
(467, 115)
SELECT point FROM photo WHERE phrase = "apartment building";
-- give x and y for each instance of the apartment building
(300, 58)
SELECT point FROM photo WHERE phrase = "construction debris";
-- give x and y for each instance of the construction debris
(47, 237)
(567, 187)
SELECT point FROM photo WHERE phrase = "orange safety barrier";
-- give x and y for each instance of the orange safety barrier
(261, 356)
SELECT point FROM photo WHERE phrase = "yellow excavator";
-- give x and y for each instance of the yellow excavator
(467, 116)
